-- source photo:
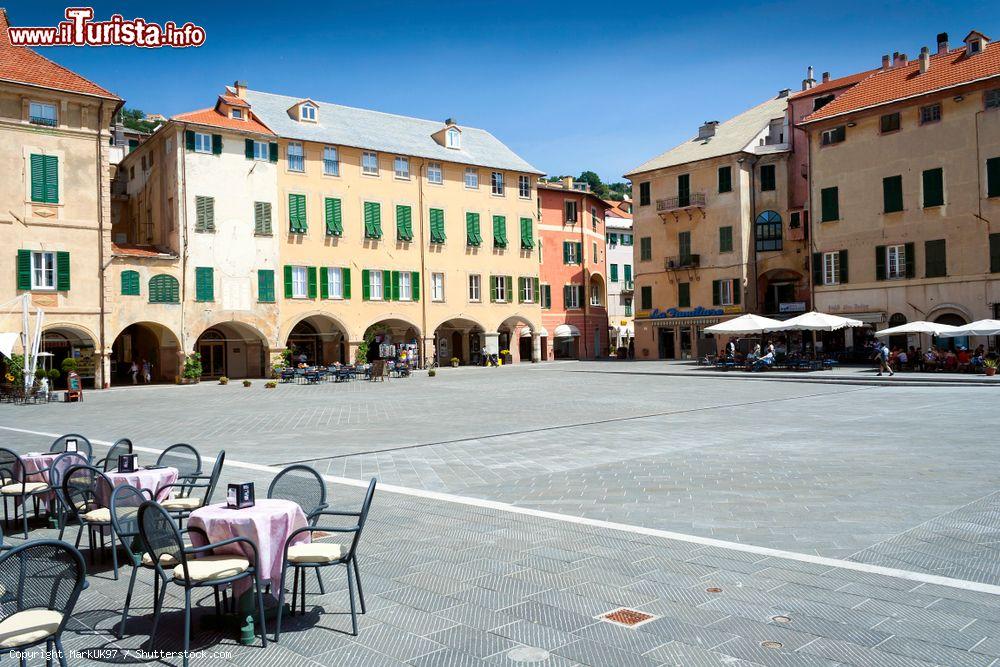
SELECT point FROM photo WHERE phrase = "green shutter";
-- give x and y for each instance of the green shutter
(725, 239)
(373, 220)
(880, 273)
(817, 268)
(24, 269)
(684, 295)
(737, 291)
(725, 179)
(272, 152)
(537, 291)
(993, 177)
(366, 288)
(831, 204)
(130, 283)
(388, 293)
(472, 233)
(933, 187)
(716, 292)
(164, 289)
(288, 281)
(628, 272)
(189, 140)
(646, 297)
(262, 218)
(248, 148)
(415, 284)
(216, 144)
(62, 271)
(345, 274)
(567, 296)
(842, 278)
(579, 252)
(995, 252)
(204, 208)
(499, 231)
(509, 282)
(37, 178)
(614, 273)
(520, 289)
(437, 225)
(45, 179)
(892, 194)
(936, 265)
(334, 216)
(265, 285)
(566, 253)
(311, 282)
(493, 288)
(204, 279)
(911, 260)
(297, 214)
(527, 238)
(324, 283)
(404, 223)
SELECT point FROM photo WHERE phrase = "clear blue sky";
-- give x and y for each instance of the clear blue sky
(567, 85)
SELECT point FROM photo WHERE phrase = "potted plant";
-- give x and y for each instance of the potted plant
(505, 357)
(192, 369)
(247, 383)
(223, 380)
(431, 373)
(53, 376)
(990, 366)
(454, 362)
(270, 384)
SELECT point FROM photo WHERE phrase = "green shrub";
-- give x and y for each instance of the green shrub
(192, 366)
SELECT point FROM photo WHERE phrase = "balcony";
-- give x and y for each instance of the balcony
(628, 286)
(684, 203)
(41, 120)
(682, 262)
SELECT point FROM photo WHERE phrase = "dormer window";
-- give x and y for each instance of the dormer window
(975, 46)
(975, 42)
(307, 112)
(453, 138)
(238, 114)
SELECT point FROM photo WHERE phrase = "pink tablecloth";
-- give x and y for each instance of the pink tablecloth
(32, 464)
(268, 524)
(153, 480)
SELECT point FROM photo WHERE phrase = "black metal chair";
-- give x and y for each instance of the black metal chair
(21, 486)
(304, 486)
(324, 554)
(186, 499)
(42, 580)
(82, 445)
(196, 566)
(121, 447)
(57, 470)
(86, 489)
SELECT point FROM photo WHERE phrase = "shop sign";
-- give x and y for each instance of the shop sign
(792, 307)
(671, 313)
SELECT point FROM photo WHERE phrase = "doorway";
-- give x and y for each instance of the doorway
(665, 343)
(212, 348)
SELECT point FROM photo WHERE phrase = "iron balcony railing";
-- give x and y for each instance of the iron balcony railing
(682, 262)
(628, 286)
(39, 120)
(690, 200)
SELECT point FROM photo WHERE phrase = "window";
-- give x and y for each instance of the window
(684, 190)
(130, 283)
(991, 99)
(45, 178)
(401, 167)
(300, 282)
(238, 114)
(834, 135)
(472, 233)
(405, 279)
(43, 270)
(436, 217)
(936, 265)
(307, 112)
(262, 218)
(524, 187)
(645, 248)
(930, 113)
(404, 223)
(40, 113)
(261, 151)
(613, 273)
(472, 178)
(831, 268)
(725, 292)
(795, 219)
(644, 193)
(594, 256)
(612, 240)
(474, 287)
(265, 286)
(892, 194)
(164, 289)
(821, 102)
(767, 178)
(331, 161)
(628, 273)
(593, 218)
(571, 296)
(369, 163)
(626, 239)
(933, 187)
(499, 289)
(995, 252)
(528, 287)
(296, 157)
(437, 287)
(595, 294)
(646, 297)
(297, 214)
(434, 173)
(830, 200)
(572, 252)
(202, 142)
(767, 231)
(993, 177)
(683, 295)
(497, 183)
(334, 281)
(889, 123)
(628, 306)
(570, 209)
(499, 231)
(375, 291)
(684, 248)
(373, 220)
(527, 236)
(545, 296)
(333, 212)
(895, 260)
(725, 179)
(204, 284)
(453, 138)
(204, 214)
(725, 239)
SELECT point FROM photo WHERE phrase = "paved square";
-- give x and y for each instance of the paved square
(516, 564)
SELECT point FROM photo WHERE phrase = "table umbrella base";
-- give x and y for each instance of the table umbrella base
(243, 622)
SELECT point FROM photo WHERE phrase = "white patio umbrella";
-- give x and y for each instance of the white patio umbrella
(814, 321)
(977, 328)
(918, 327)
(745, 324)
(7, 340)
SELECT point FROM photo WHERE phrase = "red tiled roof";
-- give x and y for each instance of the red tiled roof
(947, 70)
(22, 65)
(136, 250)
(215, 118)
(834, 84)
(234, 101)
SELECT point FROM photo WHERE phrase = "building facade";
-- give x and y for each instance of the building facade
(621, 284)
(573, 271)
(905, 185)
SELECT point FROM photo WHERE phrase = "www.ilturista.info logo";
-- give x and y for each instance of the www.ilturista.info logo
(79, 29)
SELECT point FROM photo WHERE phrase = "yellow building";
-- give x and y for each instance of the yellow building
(55, 218)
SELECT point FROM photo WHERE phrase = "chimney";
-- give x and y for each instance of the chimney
(925, 59)
(903, 59)
(450, 121)
(885, 61)
(241, 88)
(826, 77)
(707, 130)
(567, 182)
(809, 81)
(942, 42)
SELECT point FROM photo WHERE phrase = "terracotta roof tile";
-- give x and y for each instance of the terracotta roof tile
(214, 118)
(834, 84)
(234, 101)
(947, 70)
(22, 65)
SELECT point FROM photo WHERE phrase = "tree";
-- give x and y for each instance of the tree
(595, 183)
(135, 119)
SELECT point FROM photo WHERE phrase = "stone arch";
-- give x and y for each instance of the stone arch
(394, 331)
(149, 341)
(458, 337)
(321, 337)
(233, 349)
(62, 340)
(509, 336)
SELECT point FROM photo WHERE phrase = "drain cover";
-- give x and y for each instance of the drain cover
(713, 589)
(528, 654)
(770, 644)
(627, 617)
(781, 619)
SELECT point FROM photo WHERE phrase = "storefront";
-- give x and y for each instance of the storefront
(57, 345)
(677, 333)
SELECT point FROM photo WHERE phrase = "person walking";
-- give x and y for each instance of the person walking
(147, 371)
(134, 371)
(883, 359)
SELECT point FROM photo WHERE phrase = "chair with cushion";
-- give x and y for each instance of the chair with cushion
(85, 489)
(42, 580)
(121, 447)
(187, 496)
(57, 470)
(302, 485)
(182, 456)
(20, 485)
(82, 445)
(196, 567)
(324, 554)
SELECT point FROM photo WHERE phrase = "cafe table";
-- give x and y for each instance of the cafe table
(155, 479)
(35, 461)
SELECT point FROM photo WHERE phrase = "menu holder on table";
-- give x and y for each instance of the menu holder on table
(128, 462)
(72, 445)
(240, 496)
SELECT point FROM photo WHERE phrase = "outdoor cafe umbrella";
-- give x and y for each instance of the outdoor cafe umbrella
(745, 324)
(918, 327)
(814, 321)
(977, 328)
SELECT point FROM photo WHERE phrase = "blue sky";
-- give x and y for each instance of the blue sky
(568, 85)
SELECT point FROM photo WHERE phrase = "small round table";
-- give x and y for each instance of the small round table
(153, 480)
(35, 461)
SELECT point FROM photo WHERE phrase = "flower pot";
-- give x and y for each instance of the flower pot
(454, 364)
(990, 371)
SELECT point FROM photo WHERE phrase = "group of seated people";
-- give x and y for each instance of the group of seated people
(917, 359)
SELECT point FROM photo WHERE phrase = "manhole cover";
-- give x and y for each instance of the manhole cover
(770, 644)
(528, 654)
(713, 589)
(627, 617)
(781, 619)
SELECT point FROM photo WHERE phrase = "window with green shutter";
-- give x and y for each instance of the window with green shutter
(62, 271)
(204, 210)
(683, 295)
(204, 279)
(216, 144)
(645, 249)
(628, 272)
(311, 282)
(725, 179)
(546, 296)
(334, 216)
(830, 200)
(130, 283)
(993, 177)
(527, 237)
(437, 225)
(725, 239)
(24, 269)
(499, 231)
(646, 297)
(262, 218)
(164, 289)
(44, 179)
(995, 252)
(892, 194)
(473, 237)
(613, 272)
(297, 214)
(935, 260)
(933, 187)
(265, 285)
(404, 223)
(373, 220)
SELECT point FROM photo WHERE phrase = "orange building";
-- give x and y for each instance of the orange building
(572, 273)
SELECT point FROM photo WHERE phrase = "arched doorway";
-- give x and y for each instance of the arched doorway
(232, 349)
(783, 291)
(61, 343)
(320, 339)
(389, 338)
(458, 338)
(510, 336)
(149, 342)
(954, 320)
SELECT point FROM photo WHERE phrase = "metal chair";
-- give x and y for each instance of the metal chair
(325, 554)
(186, 501)
(82, 445)
(57, 470)
(84, 487)
(304, 486)
(42, 580)
(184, 457)
(121, 447)
(16, 483)
(196, 566)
